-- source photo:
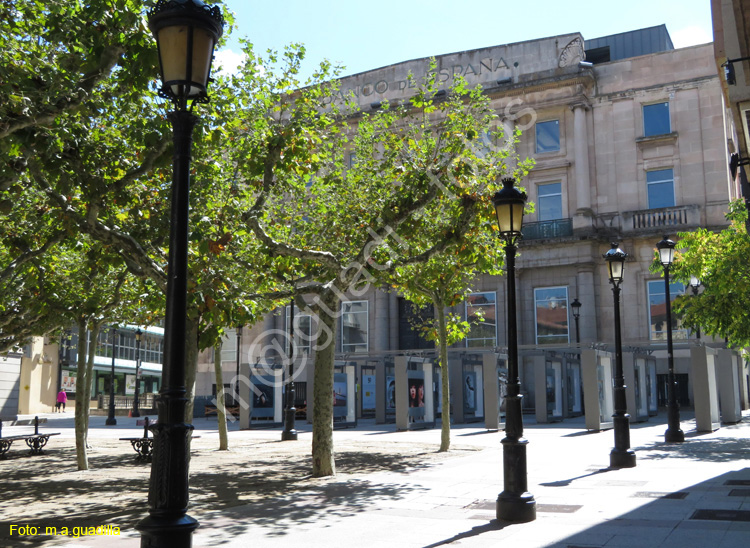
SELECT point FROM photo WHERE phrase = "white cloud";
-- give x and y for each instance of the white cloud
(691, 36)
(227, 62)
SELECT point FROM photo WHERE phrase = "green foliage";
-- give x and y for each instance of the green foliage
(719, 261)
(457, 330)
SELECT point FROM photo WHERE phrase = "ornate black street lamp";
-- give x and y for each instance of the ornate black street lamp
(695, 284)
(289, 433)
(135, 412)
(576, 306)
(673, 433)
(186, 32)
(515, 503)
(621, 456)
(111, 420)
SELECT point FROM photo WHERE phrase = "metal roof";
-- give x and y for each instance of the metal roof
(630, 44)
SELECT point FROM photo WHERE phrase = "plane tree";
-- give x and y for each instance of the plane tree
(330, 224)
(717, 259)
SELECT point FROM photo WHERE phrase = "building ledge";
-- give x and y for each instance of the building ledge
(664, 139)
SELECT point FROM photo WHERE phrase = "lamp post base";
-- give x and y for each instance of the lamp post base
(516, 508)
(111, 421)
(674, 435)
(622, 458)
(289, 433)
(515, 504)
(289, 436)
(167, 532)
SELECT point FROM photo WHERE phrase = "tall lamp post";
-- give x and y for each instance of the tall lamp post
(695, 284)
(289, 433)
(186, 32)
(515, 503)
(621, 456)
(135, 412)
(111, 420)
(674, 433)
(576, 306)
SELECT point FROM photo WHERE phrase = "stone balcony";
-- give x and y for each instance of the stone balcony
(646, 222)
(671, 219)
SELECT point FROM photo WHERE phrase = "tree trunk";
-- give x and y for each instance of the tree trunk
(82, 404)
(445, 428)
(322, 444)
(221, 413)
(191, 364)
(94, 335)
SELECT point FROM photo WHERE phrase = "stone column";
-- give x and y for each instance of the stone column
(382, 309)
(281, 327)
(393, 320)
(507, 142)
(585, 293)
(582, 221)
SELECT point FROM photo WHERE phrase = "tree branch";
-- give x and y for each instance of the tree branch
(82, 89)
(9, 270)
(135, 257)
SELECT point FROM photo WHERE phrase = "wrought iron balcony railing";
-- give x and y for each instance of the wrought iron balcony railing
(544, 230)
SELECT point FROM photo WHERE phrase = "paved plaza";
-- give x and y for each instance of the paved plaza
(393, 490)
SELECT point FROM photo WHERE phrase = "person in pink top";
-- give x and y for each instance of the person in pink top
(62, 398)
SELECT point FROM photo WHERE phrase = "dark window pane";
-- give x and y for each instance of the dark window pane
(548, 136)
(656, 119)
(550, 202)
(660, 188)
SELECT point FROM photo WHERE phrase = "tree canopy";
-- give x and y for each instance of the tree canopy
(718, 260)
(293, 193)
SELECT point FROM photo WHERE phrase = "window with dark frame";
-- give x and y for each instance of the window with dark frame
(656, 119)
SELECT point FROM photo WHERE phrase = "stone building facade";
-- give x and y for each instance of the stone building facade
(629, 147)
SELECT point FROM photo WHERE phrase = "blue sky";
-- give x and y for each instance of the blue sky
(367, 35)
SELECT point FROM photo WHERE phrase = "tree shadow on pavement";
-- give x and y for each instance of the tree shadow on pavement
(321, 506)
(711, 449)
(268, 484)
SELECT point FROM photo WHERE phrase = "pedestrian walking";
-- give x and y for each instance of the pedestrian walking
(62, 399)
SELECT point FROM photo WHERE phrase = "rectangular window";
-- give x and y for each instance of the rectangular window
(548, 136)
(410, 319)
(354, 326)
(660, 185)
(481, 313)
(656, 119)
(302, 330)
(151, 346)
(549, 203)
(229, 346)
(657, 311)
(551, 312)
